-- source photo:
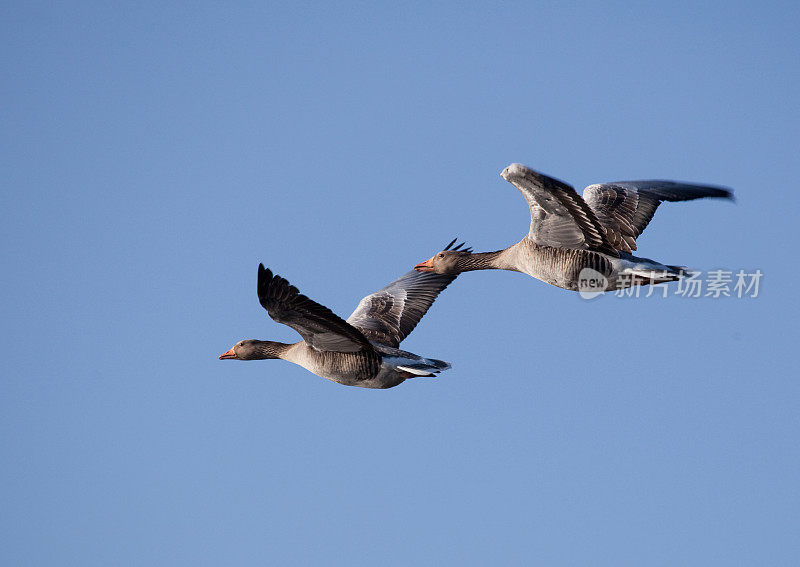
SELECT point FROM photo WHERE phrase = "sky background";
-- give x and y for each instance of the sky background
(153, 155)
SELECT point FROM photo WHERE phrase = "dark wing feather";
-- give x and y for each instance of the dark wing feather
(559, 217)
(320, 327)
(626, 207)
(389, 315)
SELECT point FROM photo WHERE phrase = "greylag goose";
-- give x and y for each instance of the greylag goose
(362, 351)
(578, 243)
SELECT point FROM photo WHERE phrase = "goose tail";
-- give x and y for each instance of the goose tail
(426, 367)
(681, 271)
(649, 276)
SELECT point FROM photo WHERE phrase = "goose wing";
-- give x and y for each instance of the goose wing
(559, 216)
(320, 327)
(390, 314)
(626, 207)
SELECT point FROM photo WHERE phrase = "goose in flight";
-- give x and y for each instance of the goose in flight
(574, 242)
(362, 351)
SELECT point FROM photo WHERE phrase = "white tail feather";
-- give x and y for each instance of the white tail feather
(415, 371)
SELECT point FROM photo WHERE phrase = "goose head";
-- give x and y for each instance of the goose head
(446, 261)
(252, 349)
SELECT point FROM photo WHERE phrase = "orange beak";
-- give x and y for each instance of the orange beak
(426, 266)
(229, 354)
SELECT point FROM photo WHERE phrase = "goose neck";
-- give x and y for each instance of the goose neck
(480, 261)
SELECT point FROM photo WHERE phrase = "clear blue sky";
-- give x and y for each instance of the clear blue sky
(153, 155)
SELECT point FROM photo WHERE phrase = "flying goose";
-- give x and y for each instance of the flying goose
(575, 242)
(362, 351)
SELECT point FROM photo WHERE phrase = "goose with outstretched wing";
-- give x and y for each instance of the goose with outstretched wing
(580, 243)
(362, 351)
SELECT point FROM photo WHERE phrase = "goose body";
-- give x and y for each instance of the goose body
(572, 238)
(385, 368)
(362, 351)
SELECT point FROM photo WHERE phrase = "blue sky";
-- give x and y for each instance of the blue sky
(154, 154)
